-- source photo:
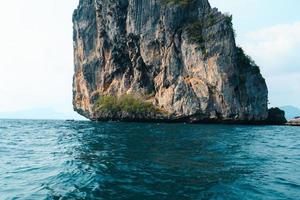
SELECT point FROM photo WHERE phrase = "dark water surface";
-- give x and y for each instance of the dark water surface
(86, 160)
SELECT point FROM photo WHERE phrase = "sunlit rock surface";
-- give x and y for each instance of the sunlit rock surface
(180, 57)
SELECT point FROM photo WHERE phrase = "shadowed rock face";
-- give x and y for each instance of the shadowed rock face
(276, 116)
(181, 57)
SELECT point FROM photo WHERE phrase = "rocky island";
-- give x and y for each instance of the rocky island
(294, 122)
(163, 60)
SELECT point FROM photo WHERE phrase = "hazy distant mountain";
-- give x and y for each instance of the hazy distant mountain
(291, 111)
(39, 113)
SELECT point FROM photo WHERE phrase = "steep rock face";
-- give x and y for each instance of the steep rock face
(180, 56)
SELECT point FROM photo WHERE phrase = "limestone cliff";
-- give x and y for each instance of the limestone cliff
(177, 58)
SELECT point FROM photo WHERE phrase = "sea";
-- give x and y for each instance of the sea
(44, 159)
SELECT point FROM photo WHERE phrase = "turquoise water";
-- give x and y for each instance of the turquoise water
(88, 160)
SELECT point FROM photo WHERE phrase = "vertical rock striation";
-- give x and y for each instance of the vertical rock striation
(178, 55)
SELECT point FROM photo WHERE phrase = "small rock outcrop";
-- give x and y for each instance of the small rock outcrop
(162, 60)
(276, 116)
(294, 122)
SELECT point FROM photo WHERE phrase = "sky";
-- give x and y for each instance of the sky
(36, 53)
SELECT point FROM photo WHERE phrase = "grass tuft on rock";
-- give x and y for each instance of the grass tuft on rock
(127, 103)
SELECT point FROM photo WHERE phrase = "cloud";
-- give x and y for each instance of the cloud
(276, 49)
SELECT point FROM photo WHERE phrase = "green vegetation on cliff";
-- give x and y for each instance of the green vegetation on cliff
(180, 2)
(194, 31)
(126, 103)
(245, 60)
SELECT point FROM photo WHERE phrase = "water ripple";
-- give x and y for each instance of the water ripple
(87, 160)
